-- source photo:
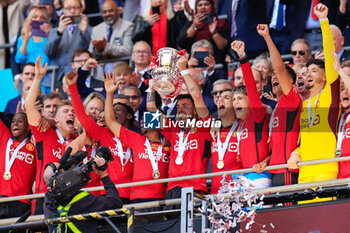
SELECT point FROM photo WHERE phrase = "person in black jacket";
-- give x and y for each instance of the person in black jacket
(87, 204)
(205, 26)
(159, 29)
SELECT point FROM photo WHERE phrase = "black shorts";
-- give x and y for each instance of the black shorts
(286, 178)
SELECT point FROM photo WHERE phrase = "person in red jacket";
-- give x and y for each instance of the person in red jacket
(252, 132)
(17, 165)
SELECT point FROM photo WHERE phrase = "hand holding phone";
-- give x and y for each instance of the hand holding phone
(208, 18)
(200, 58)
(155, 10)
(36, 28)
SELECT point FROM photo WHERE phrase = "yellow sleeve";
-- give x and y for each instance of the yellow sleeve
(296, 150)
(328, 46)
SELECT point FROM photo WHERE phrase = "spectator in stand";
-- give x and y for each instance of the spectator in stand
(49, 143)
(123, 73)
(252, 132)
(307, 20)
(338, 38)
(94, 104)
(284, 122)
(141, 56)
(28, 73)
(17, 104)
(239, 81)
(136, 102)
(51, 11)
(30, 45)
(302, 83)
(301, 51)
(210, 73)
(343, 21)
(198, 76)
(50, 103)
(205, 27)
(263, 64)
(159, 29)
(83, 63)
(66, 38)
(111, 38)
(320, 115)
(219, 87)
(17, 168)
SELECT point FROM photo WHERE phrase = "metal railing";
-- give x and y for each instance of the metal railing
(181, 178)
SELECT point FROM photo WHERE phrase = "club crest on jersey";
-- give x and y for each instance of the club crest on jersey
(30, 147)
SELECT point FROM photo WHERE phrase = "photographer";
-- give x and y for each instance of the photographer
(56, 205)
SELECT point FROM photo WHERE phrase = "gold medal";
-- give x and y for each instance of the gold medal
(179, 160)
(338, 153)
(7, 175)
(220, 164)
(156, 174)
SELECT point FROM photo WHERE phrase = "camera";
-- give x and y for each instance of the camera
(72, 174)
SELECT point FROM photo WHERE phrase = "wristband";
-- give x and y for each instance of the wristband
(184, 72)
(59, 33)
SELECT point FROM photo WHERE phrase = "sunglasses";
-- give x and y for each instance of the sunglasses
(301, 53)
(214, 93)
(133, 97)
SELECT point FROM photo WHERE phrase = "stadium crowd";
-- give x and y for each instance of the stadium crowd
(271, 112)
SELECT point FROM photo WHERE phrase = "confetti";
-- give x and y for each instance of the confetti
(226, 213)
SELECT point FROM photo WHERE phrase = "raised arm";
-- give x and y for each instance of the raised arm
(193, 89)
(337, 66)
(321, 11)
(32, 113)
(110, 120)
(252, 92)
(276, 59)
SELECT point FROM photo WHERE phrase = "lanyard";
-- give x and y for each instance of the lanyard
(60, 137)
(9, 161)
(92, 155)
(239, 134)
(341, 130)
(154, 160)
(312, 119)
(121, 153)
(271, 120)
(182, 143)
(222, 147)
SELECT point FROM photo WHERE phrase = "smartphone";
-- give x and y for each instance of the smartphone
(208, 18)
(200, 57)
(75, 19)
(155, 10)
(267, 89)
(36, 31)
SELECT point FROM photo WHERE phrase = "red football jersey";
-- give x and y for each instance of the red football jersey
(253, 146)
(195, 157)
(285, 129)
(142, 165)
(22, 169)
(105, 137)
(344, 167)
(49, 150)
(232, 160)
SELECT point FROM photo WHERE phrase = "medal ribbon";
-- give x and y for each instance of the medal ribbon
(223, 147)
(60, 137)
(182, 143)
(341, 129)
(9, 161)
(93, 153)
(154, 160)
(121, 153)
(239, 134)
(311, 120)
(271, 120)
